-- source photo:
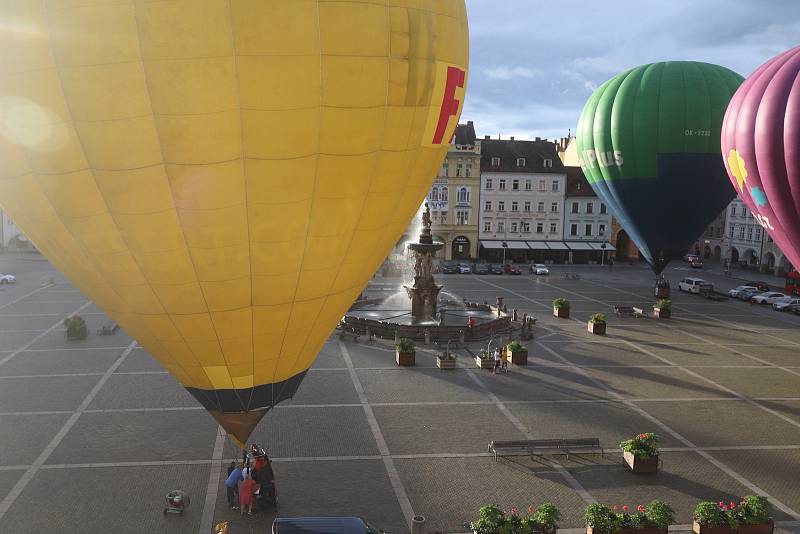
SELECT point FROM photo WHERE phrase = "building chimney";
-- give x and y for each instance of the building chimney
(512, 137)
(538, 139)
(469, 123)
(487, 137)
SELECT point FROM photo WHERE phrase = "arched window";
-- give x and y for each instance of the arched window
(463, 195)
(434, 193)
(444, 194)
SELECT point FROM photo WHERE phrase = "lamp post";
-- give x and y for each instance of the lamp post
(603, 254)
(505, 246)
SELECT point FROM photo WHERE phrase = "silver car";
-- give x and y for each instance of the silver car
(747, 294)
(785, 304)
(734, 293)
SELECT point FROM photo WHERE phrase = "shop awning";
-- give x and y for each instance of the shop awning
(557, 245)
(538, 245)
(517, 245)
(492, 244)
(578, 245)
(599, 246)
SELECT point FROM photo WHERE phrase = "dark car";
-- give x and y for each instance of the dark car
(328, 525)
(496, 268)
(449, 268)
(696, 263)
(481, 268)
(761, 286)
(510, 269)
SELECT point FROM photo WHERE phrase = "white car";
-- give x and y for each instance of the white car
(464, 268)
(770, 297)
(540, 268)
(8, 279)
(785, 304)
(692, 285)
(733, 293)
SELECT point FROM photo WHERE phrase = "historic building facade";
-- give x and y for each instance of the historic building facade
(587, 221)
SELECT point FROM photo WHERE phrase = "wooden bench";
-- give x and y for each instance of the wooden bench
(108, 329)
(545, 446)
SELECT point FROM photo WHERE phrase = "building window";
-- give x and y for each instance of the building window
(444, 195)
(525, 227)
(513, 228)
(741, 232)
(601, 230)
(527, 206)
(554, 187)
(520, 162)
(553, 228)
(469, 168)
(758, 234)
(515, 185)
(463, 194)
(749, 214)
(733, 211)
(487, 206)
(542, 186)
(462, 217)
(445, 167)
(495, 162)
(487, 226)
(501, 227)
(749, 233)
(444, 217)
(528, 185)
(501, 206)
(573, 229)
(488, 185)
(434, 194)
(731, 230)
(459, 167)
(515, 206)
(603, 209)
(539, 228)
(587, 230)
(502, 185)
(554, 207)
(548, 163)
(540, 207)
(590, 207)
(575, 207)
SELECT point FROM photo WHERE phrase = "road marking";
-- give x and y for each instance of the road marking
(215, 473)
(26, 295)
(7, 358)
(383, 448)
(15, 492)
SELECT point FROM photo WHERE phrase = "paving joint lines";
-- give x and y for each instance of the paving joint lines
(26, 295)
(215, 473)
(719, 464)
(15, 492)
(560, 469)
(380, 441)
(24, 347)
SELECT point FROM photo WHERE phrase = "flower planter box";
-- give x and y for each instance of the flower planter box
(405, 359)
(519, 357)
(484, 363)
(761, 528)
(589, 530)
(445, 363)
(637, 464)
(77, 333)
(598, 329)
(562, 313)
(662, 313)
(697, 528)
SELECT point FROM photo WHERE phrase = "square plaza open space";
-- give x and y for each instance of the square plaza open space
(94, 434)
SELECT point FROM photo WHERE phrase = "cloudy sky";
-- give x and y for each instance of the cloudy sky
(534, 63)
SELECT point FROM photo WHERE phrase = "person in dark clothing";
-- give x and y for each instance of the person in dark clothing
(232, 485)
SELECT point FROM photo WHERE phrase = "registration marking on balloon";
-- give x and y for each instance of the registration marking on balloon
(451, 82)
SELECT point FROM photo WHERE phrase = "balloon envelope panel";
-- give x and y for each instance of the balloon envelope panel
(223, 177)
(761, 147)
(648, 141)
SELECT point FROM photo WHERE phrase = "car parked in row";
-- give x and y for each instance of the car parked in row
(747, 294)
(689, 258)
(510, 269)
(691, 285)
(496, 268)
(761, 286)
(785, 304)
(481, 268)
(696, 263)
(768, 297)
(734, 293)
(448, 268)
(8, 279)
(464, 268)
(540, 268)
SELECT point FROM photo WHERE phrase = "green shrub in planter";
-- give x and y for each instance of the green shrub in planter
(601, 517)
(659, 514)
(664, 304)
(405, 345)
(598, 318)
(560, 303)
(644, 445)
(754, 510)
(515, 346)
(711, 513)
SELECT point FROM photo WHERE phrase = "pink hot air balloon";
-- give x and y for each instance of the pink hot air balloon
(761, 148)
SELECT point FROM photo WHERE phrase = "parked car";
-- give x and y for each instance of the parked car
(761, 286)
(785, 304)
(734, 293)
(496, 268)
(688, 258)
(691, 285)
(768, 297)
(464, 268)
(481, 268)
(540, 268)
(696, 263)
(510, 269)
(8, 279)
(449, 268)
(747, 294)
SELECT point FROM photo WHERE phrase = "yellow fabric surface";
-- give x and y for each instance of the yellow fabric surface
(222, 177)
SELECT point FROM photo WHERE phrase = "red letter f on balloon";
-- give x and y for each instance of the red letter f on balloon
(442, 120)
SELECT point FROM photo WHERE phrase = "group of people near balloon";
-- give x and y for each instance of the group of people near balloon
(250, 480)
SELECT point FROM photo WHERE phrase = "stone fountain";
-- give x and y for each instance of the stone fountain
(424, 293)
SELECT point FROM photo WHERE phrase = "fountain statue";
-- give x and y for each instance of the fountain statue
(424, 294)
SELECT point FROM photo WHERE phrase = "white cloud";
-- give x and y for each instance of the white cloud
(509, 73)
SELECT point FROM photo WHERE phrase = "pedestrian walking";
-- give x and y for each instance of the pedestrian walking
(232, 485)
(247, 495)
(504, 359)
(496, 360)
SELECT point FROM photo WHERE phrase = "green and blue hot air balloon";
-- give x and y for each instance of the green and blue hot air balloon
(649, 144)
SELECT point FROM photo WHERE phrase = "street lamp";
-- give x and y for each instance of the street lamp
(505, 246)
(603, 254)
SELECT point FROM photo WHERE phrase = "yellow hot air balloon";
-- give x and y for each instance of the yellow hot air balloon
(222, 177)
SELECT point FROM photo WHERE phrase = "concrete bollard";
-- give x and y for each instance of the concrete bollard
(396, 337)
(427, 337)
(418, 525)
(461, 337)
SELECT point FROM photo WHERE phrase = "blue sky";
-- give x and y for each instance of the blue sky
(534, 63)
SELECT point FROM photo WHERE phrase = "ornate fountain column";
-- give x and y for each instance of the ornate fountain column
(424, 294)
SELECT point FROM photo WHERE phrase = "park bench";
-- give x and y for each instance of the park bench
(108, 329)
(545, 446)
(628, 311)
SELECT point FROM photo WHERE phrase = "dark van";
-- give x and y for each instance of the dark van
(322, 525)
